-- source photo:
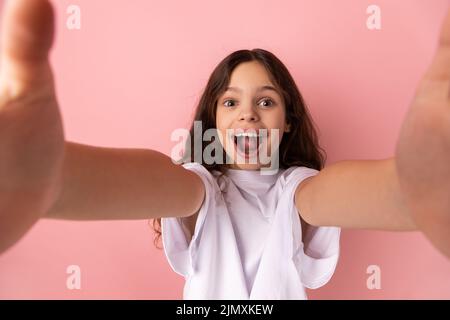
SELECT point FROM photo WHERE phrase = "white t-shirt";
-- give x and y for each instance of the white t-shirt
(247, 242)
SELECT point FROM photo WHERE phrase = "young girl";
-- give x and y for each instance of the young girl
(234, 228)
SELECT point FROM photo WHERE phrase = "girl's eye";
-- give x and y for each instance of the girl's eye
(227, 105)
(264, 103)
(268, 102)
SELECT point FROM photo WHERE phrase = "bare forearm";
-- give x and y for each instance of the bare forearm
(117, 184)
(359, 194)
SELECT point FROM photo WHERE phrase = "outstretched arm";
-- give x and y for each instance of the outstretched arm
(124, 184)
(407, 192)
(41, 175)
(361, 194)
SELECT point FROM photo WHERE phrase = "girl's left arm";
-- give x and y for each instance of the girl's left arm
(361, 194)
(407, 192)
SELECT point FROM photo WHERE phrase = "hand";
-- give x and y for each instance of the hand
(423, 149)
(31, 130)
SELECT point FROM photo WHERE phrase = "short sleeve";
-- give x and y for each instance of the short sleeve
(179, 253)
(316, 254)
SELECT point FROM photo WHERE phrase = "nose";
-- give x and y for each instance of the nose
(248, 113)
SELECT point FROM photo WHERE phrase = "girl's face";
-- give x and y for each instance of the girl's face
(251, 101)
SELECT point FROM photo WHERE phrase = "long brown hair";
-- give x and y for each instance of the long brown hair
(298, 147)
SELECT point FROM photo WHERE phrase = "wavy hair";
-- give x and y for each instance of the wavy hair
(298, 147)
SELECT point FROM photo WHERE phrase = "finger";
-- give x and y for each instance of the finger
(27, 36)
(439, 70)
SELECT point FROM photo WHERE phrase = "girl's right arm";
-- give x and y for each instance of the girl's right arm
(116, 184)
(41, 175)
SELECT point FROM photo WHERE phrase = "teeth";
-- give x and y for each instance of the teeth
(248, 134)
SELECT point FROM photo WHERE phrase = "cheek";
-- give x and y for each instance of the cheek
(221, 131)
(219, 121)
(223, 122)
(221, 117)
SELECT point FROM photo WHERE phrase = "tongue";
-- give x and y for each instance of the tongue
(247, 144)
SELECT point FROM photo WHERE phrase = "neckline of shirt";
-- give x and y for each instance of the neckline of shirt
(253, 175)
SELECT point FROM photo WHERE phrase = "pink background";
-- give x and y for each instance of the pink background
(134, 73)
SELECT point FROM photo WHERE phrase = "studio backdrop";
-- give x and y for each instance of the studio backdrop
(129, 73)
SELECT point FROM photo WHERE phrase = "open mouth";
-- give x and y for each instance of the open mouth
(247, 144)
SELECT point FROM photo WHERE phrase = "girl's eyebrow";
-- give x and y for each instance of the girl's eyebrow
(262, 88)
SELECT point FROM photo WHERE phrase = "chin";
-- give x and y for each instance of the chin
(245, 166)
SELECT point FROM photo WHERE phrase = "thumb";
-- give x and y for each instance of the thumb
(435, 83)
(27, 36)
(439, 69)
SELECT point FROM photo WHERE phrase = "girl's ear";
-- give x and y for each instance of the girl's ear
(288, 127)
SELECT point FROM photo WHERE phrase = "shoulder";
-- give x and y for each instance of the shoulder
(198, 168)
(296, 180)
(295, 175)
(209, 178)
